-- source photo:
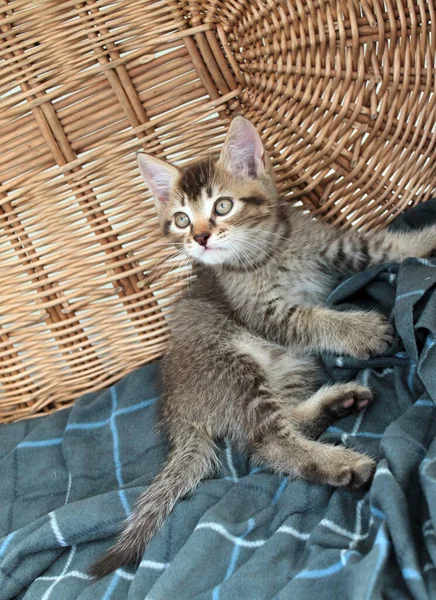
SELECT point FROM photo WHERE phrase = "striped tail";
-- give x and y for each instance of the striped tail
(192, 457)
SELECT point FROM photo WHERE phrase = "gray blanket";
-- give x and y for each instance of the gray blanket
(68, 480)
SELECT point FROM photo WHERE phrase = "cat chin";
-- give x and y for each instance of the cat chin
(213, 256)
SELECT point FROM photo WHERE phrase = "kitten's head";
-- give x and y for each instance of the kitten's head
(223, 210)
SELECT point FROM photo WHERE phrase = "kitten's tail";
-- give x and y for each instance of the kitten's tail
(192, 457)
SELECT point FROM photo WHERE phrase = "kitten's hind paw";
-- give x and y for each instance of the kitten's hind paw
(339, 467)
(356, 471)
(360, 474)
(349, 398)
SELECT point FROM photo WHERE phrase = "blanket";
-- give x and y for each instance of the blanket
(67, 482)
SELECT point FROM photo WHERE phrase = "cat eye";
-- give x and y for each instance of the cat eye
(223, 206)
(182, 220)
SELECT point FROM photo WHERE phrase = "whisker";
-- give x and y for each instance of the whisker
(250, 219)
(268, 233)
(189, 273)
(237, 254)
(264, 259)
(168, 244)
(252, 264)
(257, 242)
(244, 234)
(155, 273)
(182, 272)
(165, 258)
(266, 243)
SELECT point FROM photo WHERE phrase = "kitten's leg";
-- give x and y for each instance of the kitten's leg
(288, 452)
(355, 252)
(328, 404)
(319, 329)
(356, 333)
(274, 440)
(297, 381)
(395, 246)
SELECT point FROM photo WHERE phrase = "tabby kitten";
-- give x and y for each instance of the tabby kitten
(243, 358)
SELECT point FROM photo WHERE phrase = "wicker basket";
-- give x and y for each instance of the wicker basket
(343, 91)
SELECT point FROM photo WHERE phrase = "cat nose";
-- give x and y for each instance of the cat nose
(202, 238)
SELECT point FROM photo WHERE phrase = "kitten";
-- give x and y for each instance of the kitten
(243, 359)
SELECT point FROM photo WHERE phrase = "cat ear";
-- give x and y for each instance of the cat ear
(159, 175)
(243, 153)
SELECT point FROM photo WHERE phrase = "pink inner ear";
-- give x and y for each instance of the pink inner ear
(244, 149)
(158, 176)
(162, 193)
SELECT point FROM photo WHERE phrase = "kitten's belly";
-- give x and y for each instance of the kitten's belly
(277, 362)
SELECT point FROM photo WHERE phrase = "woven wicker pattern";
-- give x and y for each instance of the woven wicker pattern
(342, 90)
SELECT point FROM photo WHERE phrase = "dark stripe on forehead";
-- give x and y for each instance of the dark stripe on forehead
(256, 200)
(167, 227)
(196, 177)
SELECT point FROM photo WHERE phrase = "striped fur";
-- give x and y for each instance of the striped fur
(242, 362)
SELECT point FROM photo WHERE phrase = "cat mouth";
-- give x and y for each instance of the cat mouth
(210, 254)
(210, 249)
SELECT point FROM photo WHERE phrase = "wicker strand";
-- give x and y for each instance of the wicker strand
(343, 92)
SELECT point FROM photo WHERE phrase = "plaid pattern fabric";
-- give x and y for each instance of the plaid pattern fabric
(70, 479)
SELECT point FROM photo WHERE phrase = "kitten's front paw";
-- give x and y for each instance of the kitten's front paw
(372, 334)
